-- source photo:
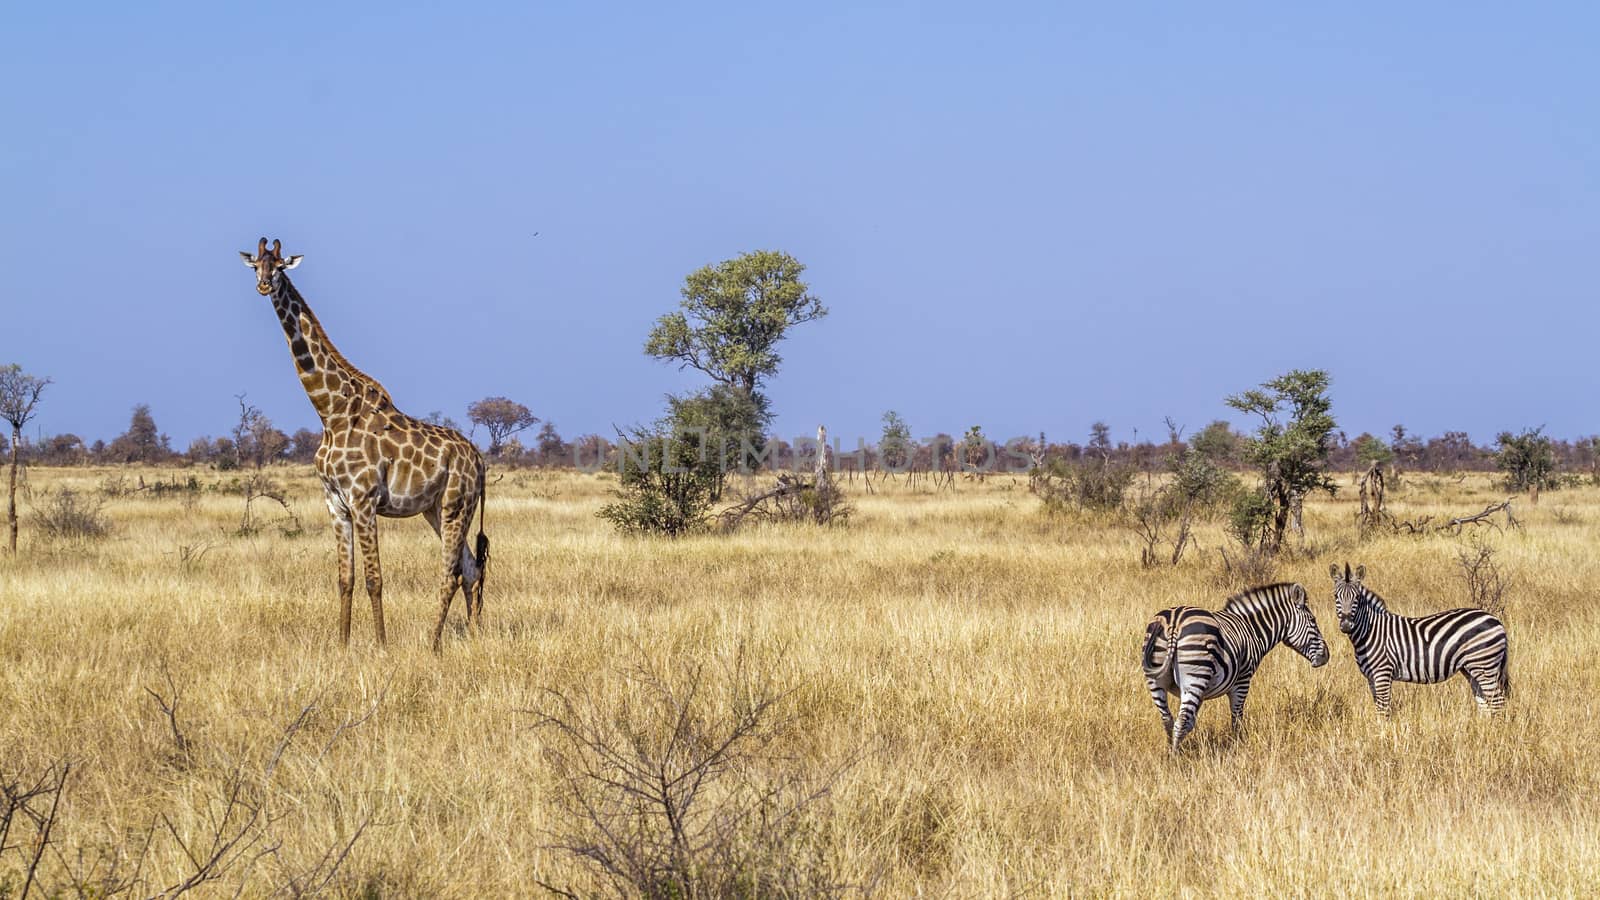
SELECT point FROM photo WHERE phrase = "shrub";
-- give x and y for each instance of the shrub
(1250, 518)
(666, 482)
(72, 516)
(1528, 460)
(676, 792)
(1090, 485)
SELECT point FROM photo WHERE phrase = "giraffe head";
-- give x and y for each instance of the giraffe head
(268, 263)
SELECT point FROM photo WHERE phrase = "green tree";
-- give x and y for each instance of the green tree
(1218, 442)
(19, 402)
(977, 453)
(1291, 453)
(894, 445)
(729, 425)
(1370, 449)
(733, 316)
(143, 442)
(1527, 459)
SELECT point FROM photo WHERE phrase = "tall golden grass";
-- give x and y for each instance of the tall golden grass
(972, 663)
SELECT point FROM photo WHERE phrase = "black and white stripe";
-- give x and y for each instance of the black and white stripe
(1423, 650)
(1198, 654)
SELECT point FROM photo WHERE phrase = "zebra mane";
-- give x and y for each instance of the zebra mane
(1258, 597)
(1372, 598)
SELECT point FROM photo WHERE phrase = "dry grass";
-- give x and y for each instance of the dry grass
(981, 659)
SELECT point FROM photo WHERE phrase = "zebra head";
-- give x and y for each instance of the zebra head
(1303, 636)
(1349, 597)
(268, 263)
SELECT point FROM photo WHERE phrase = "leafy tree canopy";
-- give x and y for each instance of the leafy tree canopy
(733, 316)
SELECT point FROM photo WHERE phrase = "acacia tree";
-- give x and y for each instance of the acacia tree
(19, 401)
(502, 417)
(730, 321)
(1527, 460)
(733, 316)
(1292, 455)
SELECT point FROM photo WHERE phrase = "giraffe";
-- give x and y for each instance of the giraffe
(377, 461)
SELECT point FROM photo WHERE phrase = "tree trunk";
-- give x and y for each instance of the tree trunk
(11, 503)
(1280, 516)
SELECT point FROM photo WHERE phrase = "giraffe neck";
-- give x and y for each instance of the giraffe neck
(336, 387)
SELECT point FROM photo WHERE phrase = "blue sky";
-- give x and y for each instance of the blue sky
(1025, 216)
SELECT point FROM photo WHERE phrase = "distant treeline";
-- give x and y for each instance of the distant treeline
(258, 443)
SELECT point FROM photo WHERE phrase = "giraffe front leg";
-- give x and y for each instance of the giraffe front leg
(345, 549)
(366, 522)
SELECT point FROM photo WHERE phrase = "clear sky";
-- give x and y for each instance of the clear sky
(1022, 215)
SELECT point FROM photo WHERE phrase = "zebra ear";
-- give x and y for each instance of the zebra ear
(1361, 573)
(1333, 571)
(1298, 593)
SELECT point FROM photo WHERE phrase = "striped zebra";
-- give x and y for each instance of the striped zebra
(1198, 654)
(1423, 650)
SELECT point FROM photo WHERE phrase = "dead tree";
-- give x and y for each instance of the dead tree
(19, 401)
(791, 498)
(1424, 524)
(1372, 494)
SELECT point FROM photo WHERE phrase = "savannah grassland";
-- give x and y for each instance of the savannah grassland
(971, 663)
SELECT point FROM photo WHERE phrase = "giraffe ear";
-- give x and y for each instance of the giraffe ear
(248, 259)
(291, 262)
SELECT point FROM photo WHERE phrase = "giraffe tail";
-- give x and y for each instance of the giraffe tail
(481, 545)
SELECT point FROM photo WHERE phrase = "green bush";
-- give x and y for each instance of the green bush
(1528, 460)
(1097, 485)
(1250, 518)
(666, 482)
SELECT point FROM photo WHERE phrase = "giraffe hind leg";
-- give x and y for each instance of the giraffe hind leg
(453, 534)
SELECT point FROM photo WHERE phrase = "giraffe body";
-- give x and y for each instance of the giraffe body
(376, 461)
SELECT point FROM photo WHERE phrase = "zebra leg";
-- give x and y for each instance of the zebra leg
(1486, 689)
(1159, 695)
(1236, 702)
(1187, 710)
(1380, 683)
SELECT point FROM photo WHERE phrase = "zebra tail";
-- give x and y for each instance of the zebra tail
(1157, 631)
(1505, 674)
(1153, 631)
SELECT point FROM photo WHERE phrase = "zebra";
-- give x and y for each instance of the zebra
(1199, 654)
(1423, 650)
